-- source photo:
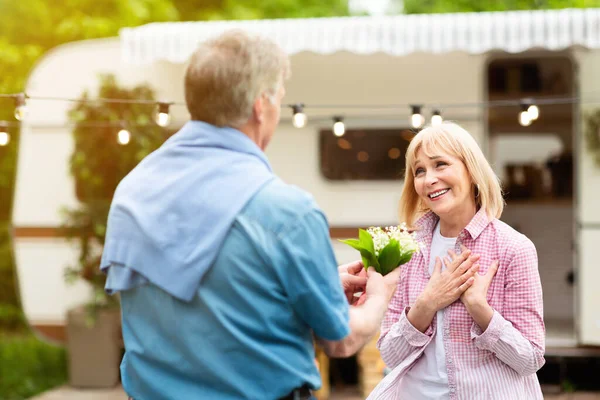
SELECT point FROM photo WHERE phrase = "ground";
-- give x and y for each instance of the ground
(66, 393)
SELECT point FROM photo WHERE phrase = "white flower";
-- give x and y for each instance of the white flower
(381, 237)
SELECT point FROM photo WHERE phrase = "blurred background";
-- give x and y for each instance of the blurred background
(89, 88)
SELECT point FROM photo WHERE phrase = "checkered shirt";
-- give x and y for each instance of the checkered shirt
(500, 363)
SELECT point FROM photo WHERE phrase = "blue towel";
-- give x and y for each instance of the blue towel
(170, 215)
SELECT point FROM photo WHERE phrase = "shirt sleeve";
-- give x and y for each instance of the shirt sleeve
(310, 277)
(400, 340)
(517, 336)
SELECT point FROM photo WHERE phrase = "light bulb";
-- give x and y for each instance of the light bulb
(417, 120)
(162, 116)
(338, 127)
(436, 118)
(4, 138)
(299, 120)
(533, 111)
(524, 118)
(20, 107)
(123, 137)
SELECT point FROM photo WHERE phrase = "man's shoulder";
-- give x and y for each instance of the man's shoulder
(279, 203)
(281, 196)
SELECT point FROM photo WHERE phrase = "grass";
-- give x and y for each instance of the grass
(29, 366)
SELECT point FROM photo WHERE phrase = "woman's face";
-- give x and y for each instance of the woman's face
(443, 183)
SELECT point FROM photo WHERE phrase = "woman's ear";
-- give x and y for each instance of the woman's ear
(476, 190)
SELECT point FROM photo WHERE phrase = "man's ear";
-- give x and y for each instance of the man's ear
(257, 109)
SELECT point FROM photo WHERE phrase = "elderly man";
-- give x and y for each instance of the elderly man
(225, 272)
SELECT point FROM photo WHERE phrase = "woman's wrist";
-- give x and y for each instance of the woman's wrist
(421, 314)
(481, 312)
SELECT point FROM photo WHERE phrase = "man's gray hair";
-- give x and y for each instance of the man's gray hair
(227, 74)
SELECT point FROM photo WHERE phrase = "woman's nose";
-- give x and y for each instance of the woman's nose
(430, 178)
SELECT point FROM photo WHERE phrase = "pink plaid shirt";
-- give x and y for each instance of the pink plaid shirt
(500, 363)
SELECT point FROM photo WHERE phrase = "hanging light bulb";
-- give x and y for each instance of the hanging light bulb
(162, 116)
(4, 136)
(123, 137)
(338, 126)
(524, 117)
(436, 118)
(299, 118)
(416, 119)
(20, 106)
(533, 111)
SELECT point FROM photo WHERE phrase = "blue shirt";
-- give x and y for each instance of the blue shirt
(247, 332)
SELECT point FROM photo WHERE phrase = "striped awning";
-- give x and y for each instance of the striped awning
(474, 33)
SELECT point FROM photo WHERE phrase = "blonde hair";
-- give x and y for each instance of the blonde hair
(227, 74)
(451, 139)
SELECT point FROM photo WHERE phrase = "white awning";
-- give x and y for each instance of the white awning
(473, 33)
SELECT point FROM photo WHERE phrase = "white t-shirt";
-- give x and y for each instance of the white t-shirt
(428, 377)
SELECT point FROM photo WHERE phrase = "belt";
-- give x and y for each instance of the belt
(301, 393)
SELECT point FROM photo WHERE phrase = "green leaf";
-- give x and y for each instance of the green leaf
(353, 242)
(389, 258)
(405, 257)
(366, 249)
(366, 240)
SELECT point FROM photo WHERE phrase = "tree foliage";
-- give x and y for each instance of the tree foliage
(32, 27)
(453, 6)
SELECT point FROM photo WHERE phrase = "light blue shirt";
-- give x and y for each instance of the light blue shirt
(247, 331)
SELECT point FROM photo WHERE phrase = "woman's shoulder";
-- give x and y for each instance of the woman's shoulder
(508, 239)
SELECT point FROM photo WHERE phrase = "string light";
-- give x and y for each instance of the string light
(4, 136)
(162, 116)
(436, 118)
(338, 126)
(416, 119)
(524, 117)
(20, 106)
(299, 117)
(533, 111)
(123, 137)
(529, 108)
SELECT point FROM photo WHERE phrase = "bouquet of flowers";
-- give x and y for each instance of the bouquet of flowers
(385, 249)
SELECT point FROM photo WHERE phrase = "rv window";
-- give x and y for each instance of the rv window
(533, 166)
(364, 154)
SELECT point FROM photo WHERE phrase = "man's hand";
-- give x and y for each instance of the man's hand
(353, 279)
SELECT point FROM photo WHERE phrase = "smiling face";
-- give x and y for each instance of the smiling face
(443, 184)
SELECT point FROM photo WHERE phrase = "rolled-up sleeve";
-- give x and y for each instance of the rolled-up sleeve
(517, 337)
(399, 339)
(311, 278)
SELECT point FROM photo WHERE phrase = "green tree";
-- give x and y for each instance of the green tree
(29, 29)
(32, 27)
(450, 6)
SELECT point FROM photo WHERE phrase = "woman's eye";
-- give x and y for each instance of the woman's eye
(419, 171)
(441, 163)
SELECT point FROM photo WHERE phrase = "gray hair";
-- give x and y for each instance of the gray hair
(227, 74)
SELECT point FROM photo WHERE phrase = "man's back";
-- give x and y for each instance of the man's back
(248, 331)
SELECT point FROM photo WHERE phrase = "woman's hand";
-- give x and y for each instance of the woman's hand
(444, 288)
(475, 297)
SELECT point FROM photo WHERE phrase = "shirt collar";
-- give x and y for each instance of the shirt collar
(478, 223)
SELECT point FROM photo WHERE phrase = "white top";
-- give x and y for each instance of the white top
(428, 378)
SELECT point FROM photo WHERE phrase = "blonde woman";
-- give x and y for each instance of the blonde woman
(466, 321)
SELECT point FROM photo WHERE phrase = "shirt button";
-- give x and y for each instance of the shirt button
(449, 361)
